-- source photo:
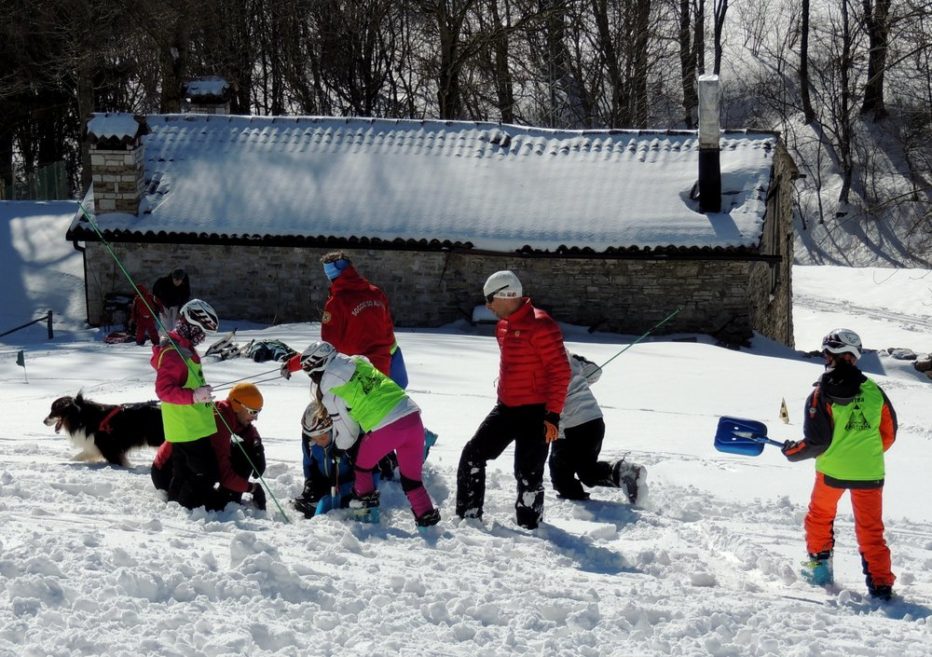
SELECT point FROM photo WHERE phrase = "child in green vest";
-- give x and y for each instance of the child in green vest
(849, 425)
(187, 412)
(361, 400)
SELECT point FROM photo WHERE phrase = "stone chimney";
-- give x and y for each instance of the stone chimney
(117, 168)
(710, 171)
(208, 95)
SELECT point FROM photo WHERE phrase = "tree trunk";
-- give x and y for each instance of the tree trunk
(808, 112)
(877, 23)
(720, 9)
(687, 66)
(504, 85)
(845, 129)
(699, 36)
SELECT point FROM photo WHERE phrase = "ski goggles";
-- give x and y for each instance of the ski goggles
(491, 295)
(253, 412)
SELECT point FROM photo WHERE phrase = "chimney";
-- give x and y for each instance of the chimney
(710, 171)
(208, 95)
(117, 170)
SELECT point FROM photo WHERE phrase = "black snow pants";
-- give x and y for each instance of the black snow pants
(576, 455)
(194, 473)
(525, 426)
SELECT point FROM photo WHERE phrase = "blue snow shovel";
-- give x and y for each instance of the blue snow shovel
(744, 437)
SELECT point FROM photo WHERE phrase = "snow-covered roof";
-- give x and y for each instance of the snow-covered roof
(489, 186)
(210, 85)
(113, 124)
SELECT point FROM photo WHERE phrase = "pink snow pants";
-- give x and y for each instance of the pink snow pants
(406, 438)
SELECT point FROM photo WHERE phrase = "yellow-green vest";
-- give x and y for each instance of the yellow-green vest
(856, 452)
(185, 423)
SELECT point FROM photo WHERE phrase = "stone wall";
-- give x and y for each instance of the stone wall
(118, 178)
(281, 284)
(771, 286)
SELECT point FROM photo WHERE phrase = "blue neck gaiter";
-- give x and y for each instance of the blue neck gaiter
(335, 268)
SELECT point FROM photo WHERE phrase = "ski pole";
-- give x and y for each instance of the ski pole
(646, 333)
(224, 386)
(227, 383)
(217, 413)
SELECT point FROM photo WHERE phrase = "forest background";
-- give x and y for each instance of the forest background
(848, 83)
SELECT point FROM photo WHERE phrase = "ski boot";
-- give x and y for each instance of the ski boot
(629, 476)
(817, 570)
(881, 592)
(365, 508)
(427, 519)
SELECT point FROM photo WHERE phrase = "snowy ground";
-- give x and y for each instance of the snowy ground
(94, 562)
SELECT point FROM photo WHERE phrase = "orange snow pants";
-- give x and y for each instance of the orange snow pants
(867, 504)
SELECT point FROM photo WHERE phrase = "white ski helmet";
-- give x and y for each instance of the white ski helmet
(502, 284)
(316, 357)
(201, 314)
(842, 341)
(316, 420)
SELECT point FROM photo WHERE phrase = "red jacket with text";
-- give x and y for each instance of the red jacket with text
(357, 320)
(533, 367)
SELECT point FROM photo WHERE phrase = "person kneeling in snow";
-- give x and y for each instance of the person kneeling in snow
(849, 425)
(359, 397)
(328, 472)
(236, 463)
(582, 429)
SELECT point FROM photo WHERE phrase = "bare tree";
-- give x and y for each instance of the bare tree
(719, 10)
(876, 20)
(804, 83)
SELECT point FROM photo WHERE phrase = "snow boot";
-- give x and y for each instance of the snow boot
(631, 477)
(365, 508)
(427, 519)
(881, 592)
(817, 570)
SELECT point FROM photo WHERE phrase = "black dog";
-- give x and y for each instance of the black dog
(104, 430)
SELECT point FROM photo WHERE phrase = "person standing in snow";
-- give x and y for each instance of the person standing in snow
(532, 383)
(357, 321)
(582, 429)
(172, 292)
(362, 400)
(236, 414)
(849, 424)
(187, 413)
(144, 305)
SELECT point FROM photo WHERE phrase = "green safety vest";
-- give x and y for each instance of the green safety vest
(856, 452)
(185, 423)
(369, 394)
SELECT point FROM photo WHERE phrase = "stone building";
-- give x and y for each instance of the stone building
(603, 226)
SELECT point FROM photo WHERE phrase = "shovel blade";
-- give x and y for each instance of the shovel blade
(740, 436)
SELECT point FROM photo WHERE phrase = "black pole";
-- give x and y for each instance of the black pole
(49, 324)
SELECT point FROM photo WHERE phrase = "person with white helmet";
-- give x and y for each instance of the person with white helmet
(533, 378)
(187, 411)
(366, 405)
(328, 472)
(849, 424)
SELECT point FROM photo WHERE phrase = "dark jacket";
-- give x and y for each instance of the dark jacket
(168, 294)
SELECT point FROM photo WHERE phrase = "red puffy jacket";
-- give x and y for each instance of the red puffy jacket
(533, 368)
(357, 320)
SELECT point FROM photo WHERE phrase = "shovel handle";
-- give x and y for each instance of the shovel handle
(757, 438)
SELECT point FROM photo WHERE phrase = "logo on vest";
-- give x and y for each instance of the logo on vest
(857, 421)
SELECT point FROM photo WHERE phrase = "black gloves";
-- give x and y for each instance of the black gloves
(258, 496)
